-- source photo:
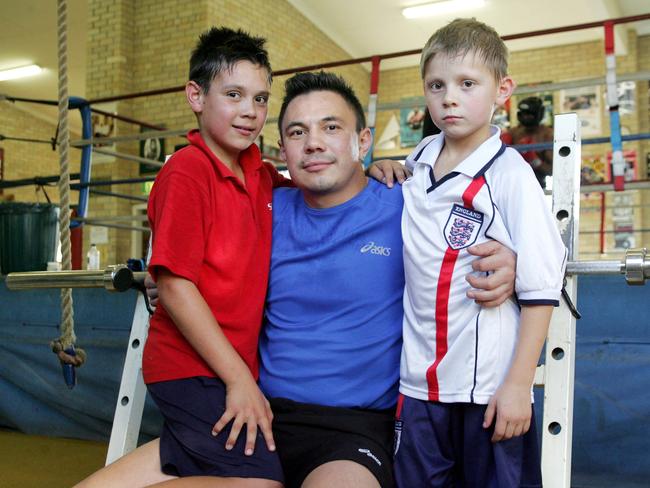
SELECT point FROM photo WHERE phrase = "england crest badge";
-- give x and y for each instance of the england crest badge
(462, 227)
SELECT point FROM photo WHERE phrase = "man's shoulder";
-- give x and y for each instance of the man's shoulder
(384, 196)
(285, 197)
(285, 193)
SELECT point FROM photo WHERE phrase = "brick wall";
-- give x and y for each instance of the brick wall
(27, 160)
(144, 45)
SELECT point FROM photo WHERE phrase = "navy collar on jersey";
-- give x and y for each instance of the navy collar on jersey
(472, 166)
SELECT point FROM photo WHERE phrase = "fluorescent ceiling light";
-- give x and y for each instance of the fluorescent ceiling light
(22, 72)
(441, 7)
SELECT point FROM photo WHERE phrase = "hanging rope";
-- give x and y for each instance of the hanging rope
(63, 347)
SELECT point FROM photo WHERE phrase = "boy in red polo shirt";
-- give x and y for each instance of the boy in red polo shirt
(210, 215)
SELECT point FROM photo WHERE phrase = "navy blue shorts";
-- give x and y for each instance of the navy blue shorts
(191, 407)
(445, 445)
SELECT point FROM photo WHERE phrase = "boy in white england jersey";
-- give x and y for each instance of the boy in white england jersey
(465, 415)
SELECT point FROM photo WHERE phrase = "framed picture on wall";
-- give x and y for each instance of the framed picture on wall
(593, 169)
(626, 97)
(103, 125)
(584, 101)
(411, 121)
(153, 148)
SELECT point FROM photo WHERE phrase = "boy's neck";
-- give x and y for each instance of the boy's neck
(229, 159)
(455, 151)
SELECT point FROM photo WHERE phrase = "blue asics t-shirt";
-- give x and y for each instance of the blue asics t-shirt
(333, 329)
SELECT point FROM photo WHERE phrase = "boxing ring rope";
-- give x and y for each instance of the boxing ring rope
(557, 374)
(373, 105)
(381, 57)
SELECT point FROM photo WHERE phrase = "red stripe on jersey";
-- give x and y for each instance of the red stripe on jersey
(472, 190)
(442, 297)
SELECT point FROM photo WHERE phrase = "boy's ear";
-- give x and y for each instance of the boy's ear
(365, 142)
(194, 95)
(506, 87)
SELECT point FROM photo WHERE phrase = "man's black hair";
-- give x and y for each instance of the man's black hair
(221, 48)
(304, 83)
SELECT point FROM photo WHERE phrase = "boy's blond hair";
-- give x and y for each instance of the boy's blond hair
(463, 36)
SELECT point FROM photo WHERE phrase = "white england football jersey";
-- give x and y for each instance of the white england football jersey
(454, 350)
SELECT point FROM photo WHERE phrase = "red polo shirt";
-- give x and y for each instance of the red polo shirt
(209, 228)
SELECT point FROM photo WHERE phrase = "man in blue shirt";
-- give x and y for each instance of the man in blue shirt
(331, 341)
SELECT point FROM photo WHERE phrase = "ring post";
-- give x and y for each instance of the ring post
(618, 162)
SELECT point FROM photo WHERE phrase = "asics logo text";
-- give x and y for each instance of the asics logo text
(373, 248)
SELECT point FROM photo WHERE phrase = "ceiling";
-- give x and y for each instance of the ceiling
(361, 27)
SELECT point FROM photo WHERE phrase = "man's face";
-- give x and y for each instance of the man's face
(322, 148)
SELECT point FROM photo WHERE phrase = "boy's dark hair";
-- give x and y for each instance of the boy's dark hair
(221, 48)
(304, 83)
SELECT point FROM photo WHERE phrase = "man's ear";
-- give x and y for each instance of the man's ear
(283, 154)
(365, 142)
(506, 87)
(194, 95)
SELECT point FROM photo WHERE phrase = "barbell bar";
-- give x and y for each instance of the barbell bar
(635, 266)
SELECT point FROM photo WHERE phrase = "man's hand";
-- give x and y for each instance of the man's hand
(152, 290)
(246, 404)
(387, 171)
(493, 289)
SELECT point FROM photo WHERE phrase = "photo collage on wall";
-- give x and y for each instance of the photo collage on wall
(411, 120)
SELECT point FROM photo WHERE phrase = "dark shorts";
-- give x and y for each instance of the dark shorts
(445, 445)
(190, 408)
(308, 436)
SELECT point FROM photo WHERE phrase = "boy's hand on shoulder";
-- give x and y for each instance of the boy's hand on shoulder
(246, 404)
(513, 410)
(387, 171)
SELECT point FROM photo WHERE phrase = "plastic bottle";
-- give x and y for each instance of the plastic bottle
(92, 258)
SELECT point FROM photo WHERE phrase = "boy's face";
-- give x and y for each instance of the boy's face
(232, 113)
(323, 149)
(461, 93)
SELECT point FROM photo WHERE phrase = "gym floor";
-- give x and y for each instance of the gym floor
(29, 461)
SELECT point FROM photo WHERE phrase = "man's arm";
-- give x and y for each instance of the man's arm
(493, 289)
(245, 403)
